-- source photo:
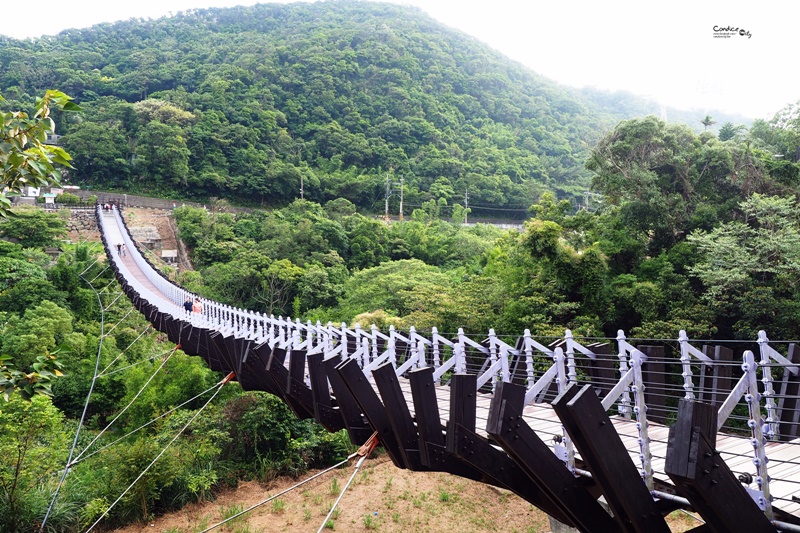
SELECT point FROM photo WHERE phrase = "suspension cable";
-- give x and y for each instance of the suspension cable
(126, 367)
(88, 267)
(128, 347)
(163, 451)
(364, 452)
(361, 451)
(139, 393)
(81, 458)
(107, 285)
(100, 274)
(120, 321)
(85, 405)
(114, 300)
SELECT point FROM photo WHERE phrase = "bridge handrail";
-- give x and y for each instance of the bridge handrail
(747, 388)
(144, 292)
(769, 353)
(687, 352)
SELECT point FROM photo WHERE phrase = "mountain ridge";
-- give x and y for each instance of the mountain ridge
(333, 95)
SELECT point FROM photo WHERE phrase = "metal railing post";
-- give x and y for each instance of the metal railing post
(461, 361)
(492, 356)
(686, 362)
(528, 357)
(642, 425)
(758, 440)
(435, 348)
(572, 373)
(625, 400)
(562, 383)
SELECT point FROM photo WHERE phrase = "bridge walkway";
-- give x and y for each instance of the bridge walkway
(279, 353)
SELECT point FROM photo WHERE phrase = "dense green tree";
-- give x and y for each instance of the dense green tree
(102, 154)
(33, 447)
(33, 227)
(37, 332)
(162, 157)
(29, 293)
(729, 131)
(748, 267)
(13, 271)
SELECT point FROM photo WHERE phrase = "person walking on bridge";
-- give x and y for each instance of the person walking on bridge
(197, 307)
(188, 304)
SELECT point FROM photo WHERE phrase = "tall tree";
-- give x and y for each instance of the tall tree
(729, 131)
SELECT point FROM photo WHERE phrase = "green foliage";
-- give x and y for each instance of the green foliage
(37, 379)
(14, 271)
(33, 447)
(748, 268)
(36, 333)
(182, 377)
(68, 199)
(729, 131)
(25, 159)
(32, 227)
(29, 293)
(262, 430)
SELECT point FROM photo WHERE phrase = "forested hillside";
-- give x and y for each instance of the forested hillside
(246, 103)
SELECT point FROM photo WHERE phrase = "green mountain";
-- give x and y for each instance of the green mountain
(343, 97)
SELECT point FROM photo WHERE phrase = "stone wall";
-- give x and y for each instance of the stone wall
(81, 220)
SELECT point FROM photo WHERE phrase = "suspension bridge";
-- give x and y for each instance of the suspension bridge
(607, 436)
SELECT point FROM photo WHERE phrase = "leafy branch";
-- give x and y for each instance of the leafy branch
(39, 380)
(25, 158)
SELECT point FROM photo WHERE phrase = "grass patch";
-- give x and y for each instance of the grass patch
(201, 525)
(278, 506)
(370, 522)
(446, 497)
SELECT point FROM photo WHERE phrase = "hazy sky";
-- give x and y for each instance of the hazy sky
(665, 50)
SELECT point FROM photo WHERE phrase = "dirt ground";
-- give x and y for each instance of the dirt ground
(139, 217)
(382, 498)
(160, 218)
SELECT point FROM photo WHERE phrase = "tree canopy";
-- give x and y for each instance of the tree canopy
(244, 103)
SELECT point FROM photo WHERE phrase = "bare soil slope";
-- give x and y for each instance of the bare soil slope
(382, 498)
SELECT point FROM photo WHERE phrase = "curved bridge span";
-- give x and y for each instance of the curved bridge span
(603, 437)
